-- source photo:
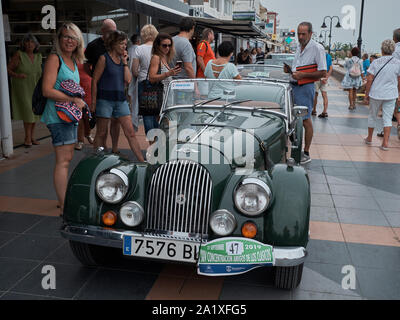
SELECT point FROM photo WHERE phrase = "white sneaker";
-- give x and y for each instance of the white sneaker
(305, 159)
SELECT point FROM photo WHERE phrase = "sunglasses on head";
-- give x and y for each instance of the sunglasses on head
(166, 45)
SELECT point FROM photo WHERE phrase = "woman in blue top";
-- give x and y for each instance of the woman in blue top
(69, 50)
(221, 68)
(108, 91)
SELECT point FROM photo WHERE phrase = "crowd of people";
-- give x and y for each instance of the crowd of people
(107, 69)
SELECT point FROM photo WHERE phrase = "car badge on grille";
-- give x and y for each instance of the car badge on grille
(180, 199)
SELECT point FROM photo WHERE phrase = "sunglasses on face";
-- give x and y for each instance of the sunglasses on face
(66, 37)
(166, 45)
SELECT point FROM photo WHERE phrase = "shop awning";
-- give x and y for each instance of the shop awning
(236, 28)
(150, 8)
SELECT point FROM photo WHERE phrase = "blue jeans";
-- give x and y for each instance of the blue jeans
(150, 122)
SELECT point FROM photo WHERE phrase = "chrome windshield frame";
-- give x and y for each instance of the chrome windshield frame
(282, 84)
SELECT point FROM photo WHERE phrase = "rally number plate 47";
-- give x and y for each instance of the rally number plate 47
(159, 248)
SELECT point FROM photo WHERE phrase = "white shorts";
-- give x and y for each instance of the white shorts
(320, 86)
(387, 112)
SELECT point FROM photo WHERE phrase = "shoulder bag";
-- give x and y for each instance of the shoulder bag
(38, 100)
(380, 71)
(150, 96)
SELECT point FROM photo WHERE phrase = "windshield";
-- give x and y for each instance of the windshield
(246, 94)
(260, 71)
(278, 60)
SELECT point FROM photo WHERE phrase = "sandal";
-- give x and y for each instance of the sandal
(90, 139)
(384, 148)
(79, 145)
(380, 134)
(314, 113)
(323, 115)
(35, 142)
(367, 142)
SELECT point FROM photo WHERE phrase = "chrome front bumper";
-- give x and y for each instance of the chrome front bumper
(284, 256)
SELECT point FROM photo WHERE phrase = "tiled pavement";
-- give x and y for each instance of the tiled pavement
(355, 221)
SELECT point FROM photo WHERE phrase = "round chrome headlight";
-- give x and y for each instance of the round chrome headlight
(252, 197)
(222, 222)
(112, 187)
(131, 213)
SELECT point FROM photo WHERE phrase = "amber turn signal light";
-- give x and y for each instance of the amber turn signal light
(109, 218)
(249, 230)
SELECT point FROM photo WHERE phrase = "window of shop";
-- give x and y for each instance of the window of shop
(26, 16)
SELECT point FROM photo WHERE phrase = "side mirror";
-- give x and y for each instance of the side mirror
(300, 111)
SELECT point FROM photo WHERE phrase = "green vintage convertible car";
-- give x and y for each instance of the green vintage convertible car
(221, 187)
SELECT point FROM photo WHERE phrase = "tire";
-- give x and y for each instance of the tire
(288, 278)
(91, 255)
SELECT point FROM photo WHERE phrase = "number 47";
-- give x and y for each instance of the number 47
(234, 248)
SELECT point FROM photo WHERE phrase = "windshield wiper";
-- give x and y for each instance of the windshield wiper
(224, 107)
(204, 103)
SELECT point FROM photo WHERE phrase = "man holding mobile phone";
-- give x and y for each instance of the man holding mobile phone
(184, 51)
(309, 65)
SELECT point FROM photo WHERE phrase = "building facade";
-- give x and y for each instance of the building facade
(218, 9)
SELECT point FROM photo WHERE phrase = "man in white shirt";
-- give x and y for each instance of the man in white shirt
(396, 54)
(308, 53)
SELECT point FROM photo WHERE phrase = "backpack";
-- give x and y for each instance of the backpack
(38, 100)
(355, 70)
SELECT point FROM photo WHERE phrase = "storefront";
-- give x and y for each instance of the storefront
(25, 16)
(42, 18)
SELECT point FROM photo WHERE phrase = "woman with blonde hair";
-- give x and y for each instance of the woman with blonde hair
(382, 91)
(141, 62)
(61, 66)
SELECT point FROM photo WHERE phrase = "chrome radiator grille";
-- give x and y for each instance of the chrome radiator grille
(179, 198)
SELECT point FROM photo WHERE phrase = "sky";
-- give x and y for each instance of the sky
(381, 17)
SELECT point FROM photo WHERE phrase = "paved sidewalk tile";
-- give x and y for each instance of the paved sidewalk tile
(362, 216)
(117, 285)
(69, 279)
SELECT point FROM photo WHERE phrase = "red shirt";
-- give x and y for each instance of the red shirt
(86, 84)
(204, 50)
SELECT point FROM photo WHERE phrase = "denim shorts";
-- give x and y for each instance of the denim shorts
(63, 133)
(112, 109)
(304, 96)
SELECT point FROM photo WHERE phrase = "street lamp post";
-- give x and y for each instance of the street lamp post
(359, 41)
(321, 36)
(330, 29)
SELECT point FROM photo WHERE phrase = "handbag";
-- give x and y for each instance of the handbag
(150, 96)
(68, 111)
